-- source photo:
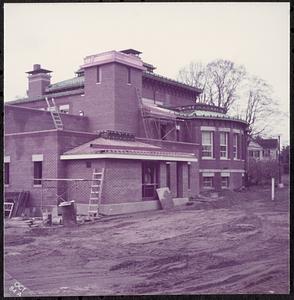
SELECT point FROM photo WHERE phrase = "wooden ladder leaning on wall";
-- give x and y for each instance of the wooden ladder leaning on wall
(54, 113)
(96, 192)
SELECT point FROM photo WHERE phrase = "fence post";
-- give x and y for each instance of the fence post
(273, 188)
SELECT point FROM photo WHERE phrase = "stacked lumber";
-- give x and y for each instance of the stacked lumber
(20, 200)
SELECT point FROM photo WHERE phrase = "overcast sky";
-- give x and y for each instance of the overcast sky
(170, 35)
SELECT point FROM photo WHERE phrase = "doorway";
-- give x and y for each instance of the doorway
(149, 180)
(179, 171)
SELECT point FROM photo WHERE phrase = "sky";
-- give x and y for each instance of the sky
(170, 35)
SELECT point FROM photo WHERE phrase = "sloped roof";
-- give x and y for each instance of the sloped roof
(154, 76)
(267, 143)
(72, 83)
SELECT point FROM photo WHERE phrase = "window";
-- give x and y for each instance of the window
(163, 131)
(64, 108)
(129, 75)
(257, 154)
(6, 173)
(88, 164)
(266, 152)
(254, 153)
(235, 146)
(37, 172)
(189, 176)
(207, 143)
(224, 145)
(207, 182)
(168, 175)
(178, 128)
(98, 74)
(225, 182)
(149, 179)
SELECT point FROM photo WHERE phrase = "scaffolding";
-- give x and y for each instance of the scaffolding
(153, 119)
(58, 190)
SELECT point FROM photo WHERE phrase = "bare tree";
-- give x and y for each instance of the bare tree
(228, 85)
(224, 77)
(260, 105)
(195, 75)
(219, 81)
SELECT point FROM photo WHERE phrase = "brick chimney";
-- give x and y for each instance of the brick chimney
(39, 79)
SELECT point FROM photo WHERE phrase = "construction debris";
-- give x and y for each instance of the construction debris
(19, 201)
(165, 198)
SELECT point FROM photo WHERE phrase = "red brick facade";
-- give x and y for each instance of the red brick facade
(106, 99)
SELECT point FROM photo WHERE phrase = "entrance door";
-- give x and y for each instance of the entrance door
(179, 167)
(149, 179)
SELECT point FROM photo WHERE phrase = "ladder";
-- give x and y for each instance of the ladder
(139, 97)
(54, 113)
(96, 191)
(8, 207)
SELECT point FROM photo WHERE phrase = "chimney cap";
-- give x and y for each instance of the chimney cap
(131, 51)
(37, 69)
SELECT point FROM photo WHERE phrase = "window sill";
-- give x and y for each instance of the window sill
(224, 158)
(238, 159)
(207, 158)
(98, 82)
(37, 185)
(6, 185)
(129, 84)
(208, 188)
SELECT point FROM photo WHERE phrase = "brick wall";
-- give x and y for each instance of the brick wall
(169, 95)
(20, 119)
(99, 99)
(122, 179)
(126, 102)
(20, 148)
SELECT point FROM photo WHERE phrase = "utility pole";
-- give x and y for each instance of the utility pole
(279, 161)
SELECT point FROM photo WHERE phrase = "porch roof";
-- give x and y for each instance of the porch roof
(104, 148)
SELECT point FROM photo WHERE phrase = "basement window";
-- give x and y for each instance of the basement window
(207, 182)
(225, 182)
(37, 172)
(6, 173)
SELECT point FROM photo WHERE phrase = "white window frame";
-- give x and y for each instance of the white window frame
(227, 182)
(225, 152)
(207, 145)
(235, 146)
(207, 187)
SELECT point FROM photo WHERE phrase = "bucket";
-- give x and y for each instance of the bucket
(68, 211)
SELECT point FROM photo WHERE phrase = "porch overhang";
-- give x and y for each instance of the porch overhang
(188, 158)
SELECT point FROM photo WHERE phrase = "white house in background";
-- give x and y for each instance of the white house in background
(264, 149)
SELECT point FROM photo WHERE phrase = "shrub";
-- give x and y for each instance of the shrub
(260, 172)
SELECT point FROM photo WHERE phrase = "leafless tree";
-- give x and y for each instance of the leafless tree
(228, 85)
(195, 74)
(261, 108)
(219, 81)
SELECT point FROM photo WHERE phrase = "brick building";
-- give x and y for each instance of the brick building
(145, 130)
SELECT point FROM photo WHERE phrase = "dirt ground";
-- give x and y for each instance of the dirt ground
(239, 244)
